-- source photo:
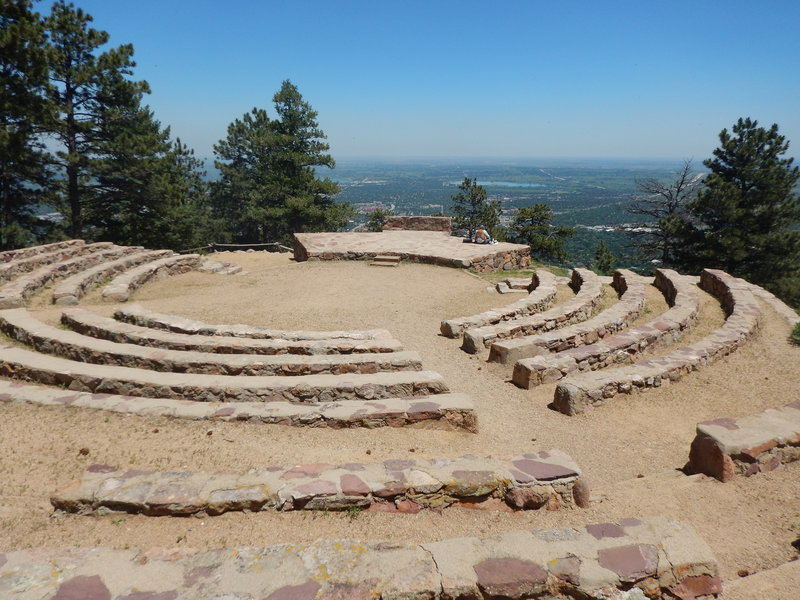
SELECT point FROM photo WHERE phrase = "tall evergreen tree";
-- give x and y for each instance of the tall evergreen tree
(268, 188)
(533, 226)
(745, 218)
(23, 109)
(472, 208)
(84, 86)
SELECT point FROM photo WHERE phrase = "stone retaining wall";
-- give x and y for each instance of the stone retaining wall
(50, 370)
(394, 222)
(589, 292)
(547, 479)
(629, 286)
(543, 291)
(89, 323)
(121, 287)
(16, 293)
(509, 260)
(72, 289)
(622, 347)
(26, 329)
(443, 411)
(655, 558)
(138, 315)
(726, 447)
(595, 388)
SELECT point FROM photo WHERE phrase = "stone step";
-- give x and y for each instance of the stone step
(615, 318)
(16, 293)
(21, 253)
(90, 323)
(70, 291)
(443, 411)
(25, 263)
(623, 346)
(654, 558)
(526, 482)
(725, 447)
(139, 315)
(595, 388)
(385, 261)
(578, 309)
(25, 365)
(122, 286)
(540, 298)
(23, 327)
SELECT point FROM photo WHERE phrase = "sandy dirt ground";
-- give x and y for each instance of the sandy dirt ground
(630, 450)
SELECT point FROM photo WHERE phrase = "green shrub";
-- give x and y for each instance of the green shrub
(796, 334)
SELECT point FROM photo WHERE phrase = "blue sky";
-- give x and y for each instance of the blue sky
(537, 79)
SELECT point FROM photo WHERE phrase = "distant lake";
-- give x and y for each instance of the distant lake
(504, 184)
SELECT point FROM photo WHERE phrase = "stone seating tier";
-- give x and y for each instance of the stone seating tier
(23, 327)
(589, 292)
(25, 365)
(91, 324)
(622, 347)
(22, 253)
(16, 293)
(121, 287)
(14, 268)
(726, 447)
(443, 411)
(72, 289)
(543, 291)
(138, 315)
(629, 286)
(579, 391)
(547, 479)
(655, 558)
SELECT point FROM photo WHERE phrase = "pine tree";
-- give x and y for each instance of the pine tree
(472, 208)
(23, 109)
(745, 218)
(532, 225)
(603, 259)
(85, 87)
(268, 188)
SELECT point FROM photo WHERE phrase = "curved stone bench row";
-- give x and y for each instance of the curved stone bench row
(21, 253)
(656, 558)
(748, 445)
(23, 327)
(783, 309)
(544, 290)
(622, 347)
(31, 366)
(14, 268)
(527, 482)
(589, 291)
(630, 287)
(72, 289)
(137, 315)
(445, 411)
(16, 293)
(595, 388)
(90, 323)
(122, 286)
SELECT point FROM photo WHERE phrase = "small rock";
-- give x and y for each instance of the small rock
(743, 572)
(155, 430)
(639, 476)
(412, 450)
(209, 432)
(83, 451)
(369, 451)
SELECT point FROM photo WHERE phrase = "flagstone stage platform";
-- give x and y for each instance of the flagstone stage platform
(432, 247)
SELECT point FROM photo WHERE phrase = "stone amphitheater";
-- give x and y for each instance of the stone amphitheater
(312, 426)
